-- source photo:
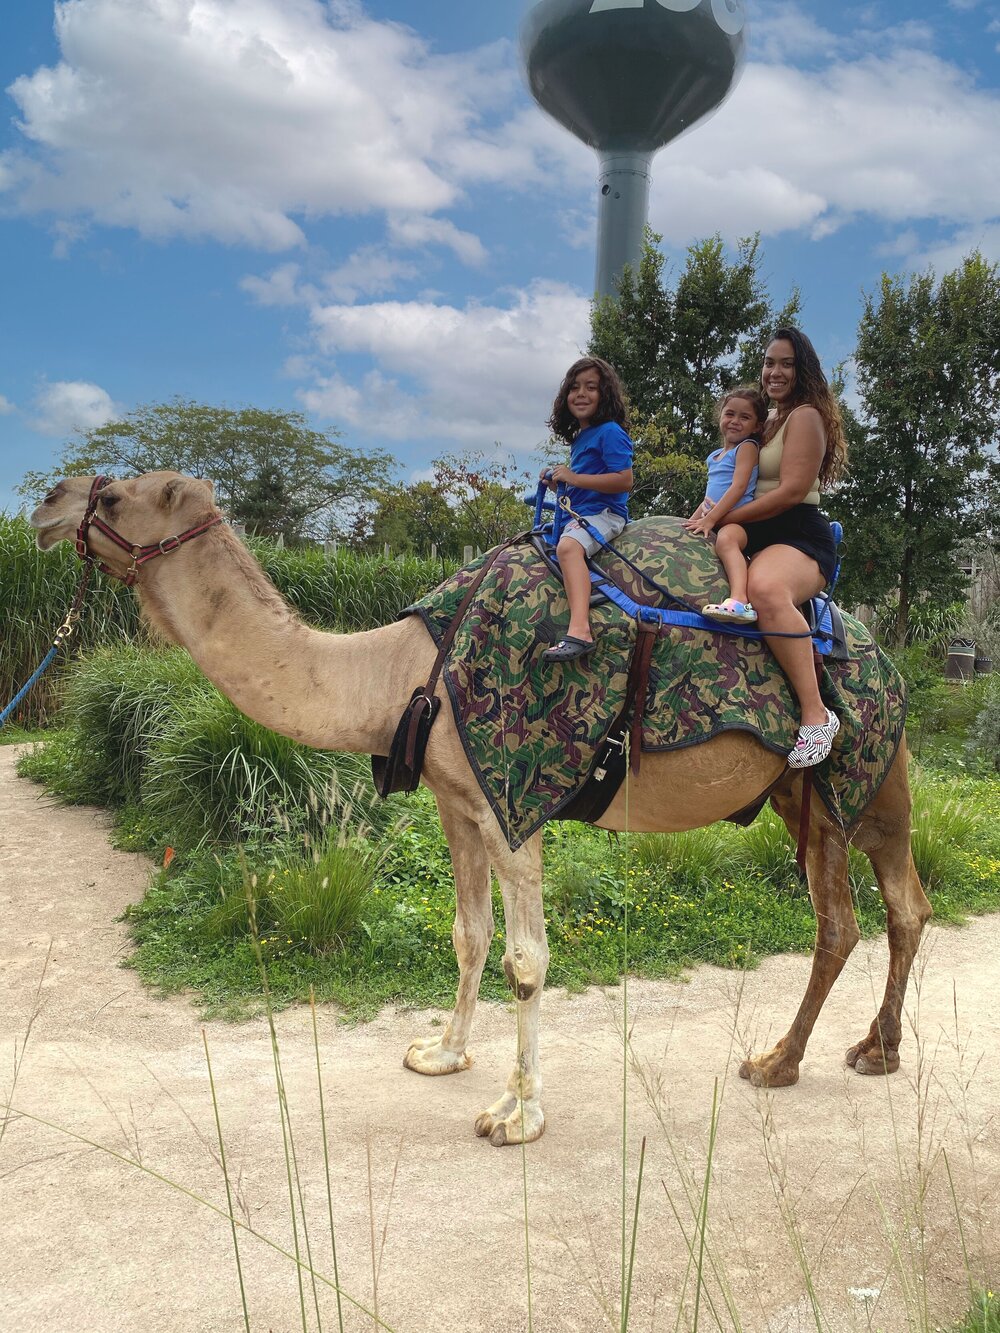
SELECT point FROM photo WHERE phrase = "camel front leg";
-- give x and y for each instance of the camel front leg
(884, 836)
(836, 935)
(517, 1116)
(447, 1053)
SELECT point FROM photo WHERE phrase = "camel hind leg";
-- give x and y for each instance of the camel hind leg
(836, 935)
(883, 835)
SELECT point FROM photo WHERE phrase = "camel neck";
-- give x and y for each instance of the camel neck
(330, 691)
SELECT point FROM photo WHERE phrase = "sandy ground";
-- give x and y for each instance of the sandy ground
(828, 1170)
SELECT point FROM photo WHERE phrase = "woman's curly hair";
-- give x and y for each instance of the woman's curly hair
(811, 388)
(610, 408)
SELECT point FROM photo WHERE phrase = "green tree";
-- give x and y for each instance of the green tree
(923, 473)
(271, 471)
(486, 493)
(411, 518)
(678, 347)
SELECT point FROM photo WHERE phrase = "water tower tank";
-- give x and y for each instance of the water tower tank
(626, 77)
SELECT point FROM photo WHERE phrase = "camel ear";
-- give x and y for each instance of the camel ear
(171, 492)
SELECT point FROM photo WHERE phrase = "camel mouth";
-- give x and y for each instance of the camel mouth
(46, 535)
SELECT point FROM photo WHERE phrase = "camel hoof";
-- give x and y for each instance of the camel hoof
(762, 1073)
(872, 1061)
(429, 1056)
(511, 1122)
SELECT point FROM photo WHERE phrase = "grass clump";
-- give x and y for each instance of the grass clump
(311, 902)
(943, 824)
(983, 1315)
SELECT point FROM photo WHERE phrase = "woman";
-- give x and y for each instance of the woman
(790, 544)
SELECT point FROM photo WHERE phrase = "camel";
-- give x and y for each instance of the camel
(348, 691)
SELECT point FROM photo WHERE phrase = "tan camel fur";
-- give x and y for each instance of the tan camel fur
(347, 692)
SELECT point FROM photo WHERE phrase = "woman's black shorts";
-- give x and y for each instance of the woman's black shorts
(802, 526)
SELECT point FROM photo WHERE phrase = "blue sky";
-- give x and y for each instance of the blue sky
(355, 210)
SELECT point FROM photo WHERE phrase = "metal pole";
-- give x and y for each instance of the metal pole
(623, 206)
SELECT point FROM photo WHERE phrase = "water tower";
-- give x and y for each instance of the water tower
(626, 77)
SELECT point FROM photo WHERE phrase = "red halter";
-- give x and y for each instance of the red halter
(140, 554)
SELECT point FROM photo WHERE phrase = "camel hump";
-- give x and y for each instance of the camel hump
(682, 563)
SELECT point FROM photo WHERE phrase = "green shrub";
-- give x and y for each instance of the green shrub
(585, 879)
(346, 591)
(942, 826)
(766, 849)
(215, 776)
(321, 903)
(696, 857)
(314, 902)
(984, 736)
(147, 728)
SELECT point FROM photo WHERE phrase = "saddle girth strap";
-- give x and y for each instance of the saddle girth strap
(807, 787)
(638, 686)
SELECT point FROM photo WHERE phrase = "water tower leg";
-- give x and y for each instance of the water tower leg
(623, 206)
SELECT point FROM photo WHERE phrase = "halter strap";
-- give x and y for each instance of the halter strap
(140, 553)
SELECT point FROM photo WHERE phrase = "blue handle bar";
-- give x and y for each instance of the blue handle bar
(542, 503)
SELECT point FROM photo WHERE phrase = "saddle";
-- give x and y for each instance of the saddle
(551, 742)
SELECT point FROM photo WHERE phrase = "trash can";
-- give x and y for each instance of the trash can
(961, 663)
(983, 666)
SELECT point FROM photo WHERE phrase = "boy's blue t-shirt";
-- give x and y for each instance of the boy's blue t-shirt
(597, 450)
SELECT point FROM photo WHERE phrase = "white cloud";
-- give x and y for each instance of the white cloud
(456, 375)
(283, 117)
(236, 118)
(67, 406)
(6, 406)
(897, 137)
(415, 231)
(948, 254)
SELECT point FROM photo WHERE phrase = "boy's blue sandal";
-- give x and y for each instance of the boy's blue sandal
(568, 649)
(732, 611)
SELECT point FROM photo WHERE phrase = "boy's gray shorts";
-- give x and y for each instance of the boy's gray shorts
(607, 523)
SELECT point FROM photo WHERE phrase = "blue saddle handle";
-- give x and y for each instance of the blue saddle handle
(542, 502)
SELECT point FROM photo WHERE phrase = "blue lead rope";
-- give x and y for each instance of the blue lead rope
(63, 634)
(46, 662)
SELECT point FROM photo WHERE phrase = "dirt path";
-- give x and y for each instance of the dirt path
(93, 1244)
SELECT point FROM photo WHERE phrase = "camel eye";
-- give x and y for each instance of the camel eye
(108, 501)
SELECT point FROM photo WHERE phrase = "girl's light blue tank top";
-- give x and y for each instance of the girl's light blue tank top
(721, 466)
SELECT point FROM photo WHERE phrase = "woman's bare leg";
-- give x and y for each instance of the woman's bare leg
(781, 578)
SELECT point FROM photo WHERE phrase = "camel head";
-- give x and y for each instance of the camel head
(142, 510)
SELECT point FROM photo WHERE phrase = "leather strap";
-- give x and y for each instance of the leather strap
(449, 635)
(638, 685)
(807, 787)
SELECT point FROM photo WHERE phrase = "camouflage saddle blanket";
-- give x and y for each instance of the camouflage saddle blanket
(532, 731)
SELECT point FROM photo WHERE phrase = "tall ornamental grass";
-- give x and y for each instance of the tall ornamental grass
(343, 591)
(36, 591)
(347, 591)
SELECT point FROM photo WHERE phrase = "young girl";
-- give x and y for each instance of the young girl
(732, 478)
(589, 414)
